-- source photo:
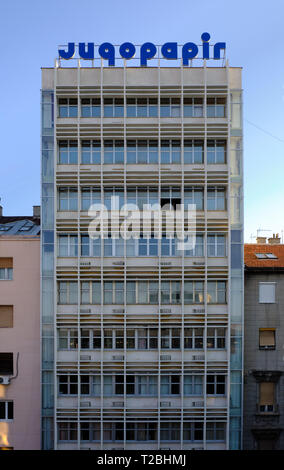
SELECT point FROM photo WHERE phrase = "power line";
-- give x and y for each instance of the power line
(263, 130)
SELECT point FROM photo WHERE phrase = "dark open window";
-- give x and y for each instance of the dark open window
(6, 363)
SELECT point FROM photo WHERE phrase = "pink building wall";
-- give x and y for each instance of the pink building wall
(23, 292)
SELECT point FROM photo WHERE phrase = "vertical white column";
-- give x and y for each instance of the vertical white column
(206, 260)
(102, 262)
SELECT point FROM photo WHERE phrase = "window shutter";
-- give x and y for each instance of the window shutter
(6, 262)
(6, 316)
(267, 337)
(267, 393)
(267, 292)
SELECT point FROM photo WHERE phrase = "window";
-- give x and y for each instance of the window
(90, 196)
(67, 292)
(90, 246)
(192, 107)
(193, 338)
(197, 249)
(67, 431)
(90, 292)
(114, 246)
(216, 151)
(169, 431)
(142, 196)
(170, 151)
(67, 339)
(216, 199)
(192, 431)
(267, 338)
(170, 107)
(216, 245)
(68, 245)
(6, 316)
(91, 152)
(6, 363)
(6, 410)
(267, 397)
(113, 107)
(193, 385)
(90, 107)
(193, 195)
(142, 151)
(68, 152)
(170, 338)
(142, 107)
(146, 246)
(170, 385)
(267, 292)
(147, 385)
(67, 107)
(68, 199)
(90, 432)
(215, 431)
(113, 151)
(193, 292)
(6, 269)
(216, 106)
(216, 292)
(67, 384)
(216, 384)
(193, 151)
(216, 338)
(170, 197)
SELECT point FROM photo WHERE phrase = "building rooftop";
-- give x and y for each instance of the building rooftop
(261, 256)
(20, 225)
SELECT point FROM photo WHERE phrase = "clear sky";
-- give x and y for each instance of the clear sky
(31, 30)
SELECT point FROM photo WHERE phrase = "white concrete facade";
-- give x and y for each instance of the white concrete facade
(188, 416)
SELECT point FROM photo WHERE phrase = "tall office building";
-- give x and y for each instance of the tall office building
(141, 341)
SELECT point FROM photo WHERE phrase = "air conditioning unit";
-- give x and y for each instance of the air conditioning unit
(199, 310)
(165, 310)
(165, 403)
(85, 310)
(164, 357)
(118, 404)
(85, 358)
(199, 263)
(85, 404)
(198, 404)
(118, 310)
(198, 358)
(117, 358)
(85, 263)
(118, 263)
(4, 380)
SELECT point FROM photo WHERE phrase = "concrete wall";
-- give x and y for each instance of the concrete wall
(262, 316)
(23, 292)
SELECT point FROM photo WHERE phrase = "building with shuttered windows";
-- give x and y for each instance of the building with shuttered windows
(264, 381)
(20, 331)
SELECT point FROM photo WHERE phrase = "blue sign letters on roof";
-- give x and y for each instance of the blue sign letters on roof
(148, 51)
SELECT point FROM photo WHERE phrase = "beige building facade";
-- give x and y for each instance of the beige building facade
(20, 332)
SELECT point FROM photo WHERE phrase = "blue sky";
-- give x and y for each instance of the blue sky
(253, 30)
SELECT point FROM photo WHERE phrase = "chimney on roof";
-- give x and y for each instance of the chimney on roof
(261, 240)
(1, 211)
(275, 240)
(36, 211)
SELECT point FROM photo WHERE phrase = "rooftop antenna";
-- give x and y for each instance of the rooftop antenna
(262, 230)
